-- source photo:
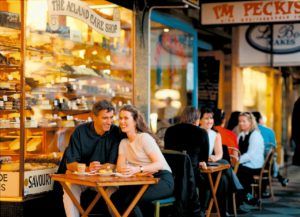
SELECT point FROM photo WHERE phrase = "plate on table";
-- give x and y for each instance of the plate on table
(83, 174)
(105, 173)
(122, 175)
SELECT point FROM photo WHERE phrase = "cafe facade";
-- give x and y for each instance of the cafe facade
(59, 57)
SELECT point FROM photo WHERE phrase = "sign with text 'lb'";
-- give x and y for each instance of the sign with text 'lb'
(38, 181)
(250, 12)
(256, 45)
(83, 12)
(9, 184)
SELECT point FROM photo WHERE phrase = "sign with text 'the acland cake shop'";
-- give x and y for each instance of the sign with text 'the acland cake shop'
(250, 12)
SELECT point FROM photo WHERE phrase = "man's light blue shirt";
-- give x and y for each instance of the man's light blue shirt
(268, 136)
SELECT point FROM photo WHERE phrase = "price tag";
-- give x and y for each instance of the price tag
(4, 98)
(1, 103)
(69, 117)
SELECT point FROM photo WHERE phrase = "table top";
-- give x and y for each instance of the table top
(98, 180)
(212, 169)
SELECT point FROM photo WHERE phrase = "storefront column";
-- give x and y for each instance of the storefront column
(141, 78)
(237, 80)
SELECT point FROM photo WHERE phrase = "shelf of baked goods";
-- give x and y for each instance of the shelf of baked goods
(10, 38)
(12, 145)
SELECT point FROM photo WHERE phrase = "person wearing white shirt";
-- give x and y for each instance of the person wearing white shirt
(251, 146)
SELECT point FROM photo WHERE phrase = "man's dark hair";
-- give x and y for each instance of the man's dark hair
(102, 105)
(219, 116)
(257, 116)
(189, 115)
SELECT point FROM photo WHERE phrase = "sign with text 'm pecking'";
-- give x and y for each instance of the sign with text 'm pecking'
(267, 11)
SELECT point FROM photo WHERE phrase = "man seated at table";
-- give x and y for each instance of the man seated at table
(94, 144)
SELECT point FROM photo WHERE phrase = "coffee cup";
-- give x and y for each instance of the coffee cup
(81, 167)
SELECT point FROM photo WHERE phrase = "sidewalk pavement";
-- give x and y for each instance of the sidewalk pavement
(286, 201)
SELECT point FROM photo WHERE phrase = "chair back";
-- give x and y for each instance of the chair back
(268, 163)
(185, 186)
(234, 155)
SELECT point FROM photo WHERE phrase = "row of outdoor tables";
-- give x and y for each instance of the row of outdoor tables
(101, 182)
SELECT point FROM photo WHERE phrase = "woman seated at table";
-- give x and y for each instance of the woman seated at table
(229, 181)
(251, 145)
(139, 153)
(215, 152)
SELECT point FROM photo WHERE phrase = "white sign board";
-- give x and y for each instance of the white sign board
(83, 12)
(38, 181)
(254, 47)
(9, 184)
(250, 12)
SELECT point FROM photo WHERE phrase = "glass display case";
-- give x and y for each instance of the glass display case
(48, 86)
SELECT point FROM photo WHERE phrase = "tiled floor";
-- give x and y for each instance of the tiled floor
(287, 199)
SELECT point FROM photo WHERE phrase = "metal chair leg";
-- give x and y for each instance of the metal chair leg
(234, 205)
(157, 209)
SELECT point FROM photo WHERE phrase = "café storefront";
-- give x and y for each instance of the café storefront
(56, 59)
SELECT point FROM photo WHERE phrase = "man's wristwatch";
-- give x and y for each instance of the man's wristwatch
(141, 169)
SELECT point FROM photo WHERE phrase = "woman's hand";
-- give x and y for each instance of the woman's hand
(202, 165)
(129, 170)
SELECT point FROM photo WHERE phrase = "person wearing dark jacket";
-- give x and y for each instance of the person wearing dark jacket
(296, 132)
(188, 137)
(94, 144)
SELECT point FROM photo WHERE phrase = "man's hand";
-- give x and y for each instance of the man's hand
(94, 166)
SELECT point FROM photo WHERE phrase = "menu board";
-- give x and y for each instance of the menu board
(208, 77)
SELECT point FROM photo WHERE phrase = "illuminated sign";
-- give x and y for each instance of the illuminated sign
(286, 38)
(250, 12)
(83, 12)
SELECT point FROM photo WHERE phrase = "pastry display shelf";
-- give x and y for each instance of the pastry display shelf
(9, 92)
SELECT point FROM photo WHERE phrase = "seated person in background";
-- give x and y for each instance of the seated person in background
(251, 146)
(233, 122)
(270, 142)
(139, 153)
(187, 136)
(228, 137)
(94, 144)
(229, 182)
(215, 152)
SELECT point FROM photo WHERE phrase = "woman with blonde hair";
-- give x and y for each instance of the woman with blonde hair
(251, 145)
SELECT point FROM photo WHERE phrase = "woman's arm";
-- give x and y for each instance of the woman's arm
(121, 163)
(154, 167)
(218, 150)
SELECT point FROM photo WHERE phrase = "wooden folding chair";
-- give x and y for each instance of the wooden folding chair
(265, 176)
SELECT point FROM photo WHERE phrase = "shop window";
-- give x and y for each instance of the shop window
(171, 63)
(68, 65)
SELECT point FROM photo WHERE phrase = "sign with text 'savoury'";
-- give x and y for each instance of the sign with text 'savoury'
(83, 12)
(250, 12)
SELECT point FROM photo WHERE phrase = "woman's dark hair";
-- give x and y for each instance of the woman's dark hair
(257, 116)
(102, 105)
(189, 115)
(219, 116)
(139, 119)
(233, 120)
(205, 110)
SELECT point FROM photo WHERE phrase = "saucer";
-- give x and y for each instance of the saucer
(122, 175)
